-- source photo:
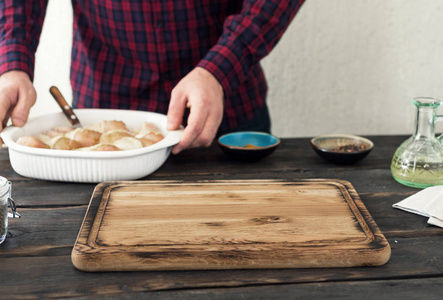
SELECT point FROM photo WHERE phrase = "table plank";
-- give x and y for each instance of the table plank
(54, 276)
(36, 263)
(395, 289)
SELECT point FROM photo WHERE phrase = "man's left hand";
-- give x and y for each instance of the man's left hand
(201, 92)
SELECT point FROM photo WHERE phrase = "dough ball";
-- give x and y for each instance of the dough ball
(114, 135)
(106, 147)
(45, 138)
(64, 143)
(146, 128)
(63, 129)
(52, 133)
(100, 147)
(86, 137)
(151, 138)
(128, 143)
(31, 141)
(105, 126)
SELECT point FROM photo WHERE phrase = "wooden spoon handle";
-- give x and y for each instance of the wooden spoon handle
(67, 110)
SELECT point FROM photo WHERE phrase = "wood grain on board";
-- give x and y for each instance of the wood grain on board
(227, 224)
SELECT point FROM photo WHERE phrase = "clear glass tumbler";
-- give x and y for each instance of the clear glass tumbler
(5, 201)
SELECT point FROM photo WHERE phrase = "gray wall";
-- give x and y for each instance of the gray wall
(348, 66)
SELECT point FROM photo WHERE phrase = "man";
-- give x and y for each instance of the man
(196, 60)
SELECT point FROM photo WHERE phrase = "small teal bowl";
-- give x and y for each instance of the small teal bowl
(248, 145)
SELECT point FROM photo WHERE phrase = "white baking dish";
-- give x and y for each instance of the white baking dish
(89, 166)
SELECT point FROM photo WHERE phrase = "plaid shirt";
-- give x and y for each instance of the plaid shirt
(130, 54)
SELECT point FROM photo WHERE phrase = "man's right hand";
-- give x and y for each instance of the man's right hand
(17, 96)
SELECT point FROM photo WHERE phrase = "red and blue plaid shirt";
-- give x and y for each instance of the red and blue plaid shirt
(130, 54)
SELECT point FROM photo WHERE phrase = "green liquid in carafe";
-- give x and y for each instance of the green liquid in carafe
(417, 174)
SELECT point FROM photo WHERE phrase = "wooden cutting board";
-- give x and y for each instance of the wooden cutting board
(232, 224)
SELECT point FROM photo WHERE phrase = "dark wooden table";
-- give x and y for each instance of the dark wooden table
(35, 259)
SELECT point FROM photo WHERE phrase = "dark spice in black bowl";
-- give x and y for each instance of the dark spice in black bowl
(350, 148)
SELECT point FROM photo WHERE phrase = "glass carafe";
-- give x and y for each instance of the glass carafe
(418, 162)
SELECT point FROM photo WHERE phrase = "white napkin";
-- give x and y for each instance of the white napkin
(427, 203)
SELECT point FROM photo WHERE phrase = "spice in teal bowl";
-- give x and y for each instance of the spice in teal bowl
(248, 145)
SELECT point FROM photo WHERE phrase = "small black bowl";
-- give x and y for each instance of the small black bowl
(342, 149)
(248, 145)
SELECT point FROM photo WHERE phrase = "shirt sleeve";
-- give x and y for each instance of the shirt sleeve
(21, 23)
(248, 37)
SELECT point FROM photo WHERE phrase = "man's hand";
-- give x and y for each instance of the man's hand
(203, 94)
(17, 96)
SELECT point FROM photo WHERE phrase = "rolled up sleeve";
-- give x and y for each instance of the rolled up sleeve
(247, 38)
(21, 23)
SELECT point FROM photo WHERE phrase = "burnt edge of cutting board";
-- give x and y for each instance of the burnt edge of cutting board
(88, 256)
